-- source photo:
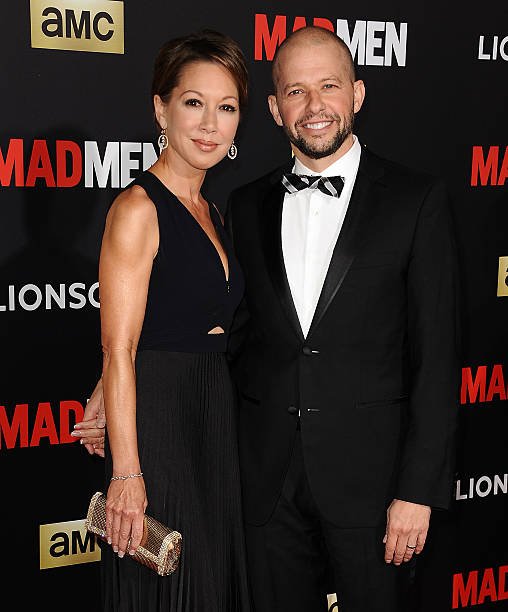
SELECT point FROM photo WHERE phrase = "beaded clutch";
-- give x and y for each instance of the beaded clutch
(160, 546)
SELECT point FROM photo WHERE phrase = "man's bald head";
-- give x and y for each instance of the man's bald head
(312, 35)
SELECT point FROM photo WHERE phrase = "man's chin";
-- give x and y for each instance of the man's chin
(313, 152)
(318, 147)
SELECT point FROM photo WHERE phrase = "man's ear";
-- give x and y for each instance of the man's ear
(159, 107)
(358, 95)
(274, 109)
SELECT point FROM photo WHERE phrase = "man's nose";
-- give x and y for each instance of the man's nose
(315, 102)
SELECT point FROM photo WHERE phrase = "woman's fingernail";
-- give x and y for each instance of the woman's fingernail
(120, 554)
(109, 540)
(75, 433)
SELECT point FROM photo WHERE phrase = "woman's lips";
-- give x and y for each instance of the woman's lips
(205, 145)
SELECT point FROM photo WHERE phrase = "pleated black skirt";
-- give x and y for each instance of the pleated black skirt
(186, 426)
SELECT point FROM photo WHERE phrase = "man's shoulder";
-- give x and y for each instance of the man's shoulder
(397, 172)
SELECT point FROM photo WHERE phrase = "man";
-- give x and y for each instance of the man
(346, 366)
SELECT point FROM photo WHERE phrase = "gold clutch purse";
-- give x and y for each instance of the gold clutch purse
(160, 546)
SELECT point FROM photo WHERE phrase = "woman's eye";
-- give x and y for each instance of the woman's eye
(228, 108)
(192, 102)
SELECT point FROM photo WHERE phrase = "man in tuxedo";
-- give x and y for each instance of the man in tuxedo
(344, 352)
(347, 367)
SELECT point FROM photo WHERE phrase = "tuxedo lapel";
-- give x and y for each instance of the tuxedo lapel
(347, 243)
(270, 228)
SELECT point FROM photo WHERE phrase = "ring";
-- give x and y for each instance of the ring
(407, 546)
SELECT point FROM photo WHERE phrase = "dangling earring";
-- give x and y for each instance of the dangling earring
(233, 151)
(162, 141)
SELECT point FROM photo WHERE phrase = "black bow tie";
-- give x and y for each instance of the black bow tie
(331, 185)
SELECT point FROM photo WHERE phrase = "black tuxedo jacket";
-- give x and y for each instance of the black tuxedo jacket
(376, 379)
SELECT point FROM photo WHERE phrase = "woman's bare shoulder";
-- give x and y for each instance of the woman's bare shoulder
(133, 205)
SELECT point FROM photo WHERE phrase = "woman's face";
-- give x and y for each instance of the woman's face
(201, 115)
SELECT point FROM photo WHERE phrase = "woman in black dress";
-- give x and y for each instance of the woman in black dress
(169, 285)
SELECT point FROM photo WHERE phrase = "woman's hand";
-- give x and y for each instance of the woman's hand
(91, 430)
(125, 509)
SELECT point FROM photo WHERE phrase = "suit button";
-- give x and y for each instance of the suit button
(306, 350)
(292, 410)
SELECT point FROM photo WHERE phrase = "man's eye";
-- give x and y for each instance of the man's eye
(329, 85)
(228, 108)
(294, 92)
(192, 102)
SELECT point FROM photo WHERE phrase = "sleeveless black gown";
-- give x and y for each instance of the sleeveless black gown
(186, 423)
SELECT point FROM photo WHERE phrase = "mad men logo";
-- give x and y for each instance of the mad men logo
(77, 25)
(482, 486)
(67, 544)
(372, 43)
(31, 297)
(489, 166)
(502, 277)
(493, 47)
(484, 384)
(25, 426)
(479, 587)
(66, 163)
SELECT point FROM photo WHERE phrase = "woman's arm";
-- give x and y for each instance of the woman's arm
(129, 244)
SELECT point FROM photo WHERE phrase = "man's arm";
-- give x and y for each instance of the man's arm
(239, 326)
(427, 462)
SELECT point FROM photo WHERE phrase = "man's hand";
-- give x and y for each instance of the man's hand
(406, 530)
(91, 430)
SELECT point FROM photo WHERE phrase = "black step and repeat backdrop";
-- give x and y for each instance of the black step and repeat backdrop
(76, 126)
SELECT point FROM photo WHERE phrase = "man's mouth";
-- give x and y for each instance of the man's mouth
(318, 125)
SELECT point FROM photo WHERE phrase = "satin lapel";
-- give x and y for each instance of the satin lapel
(270, 227)
(348, 241)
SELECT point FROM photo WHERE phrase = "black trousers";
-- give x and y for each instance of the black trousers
(297, 557)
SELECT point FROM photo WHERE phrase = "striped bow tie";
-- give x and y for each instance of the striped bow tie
(331, 185)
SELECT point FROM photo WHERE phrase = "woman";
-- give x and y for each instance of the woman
(169, 285)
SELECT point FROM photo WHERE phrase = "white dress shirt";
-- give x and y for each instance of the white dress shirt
(311, 223)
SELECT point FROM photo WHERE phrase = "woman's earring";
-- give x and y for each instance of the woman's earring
(162, 141)
(233, 151)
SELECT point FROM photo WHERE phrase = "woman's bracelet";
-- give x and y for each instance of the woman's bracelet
(127, 476)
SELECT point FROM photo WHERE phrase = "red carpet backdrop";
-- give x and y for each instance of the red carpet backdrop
(76, 126)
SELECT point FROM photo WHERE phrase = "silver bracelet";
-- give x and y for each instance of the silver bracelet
(127, 476)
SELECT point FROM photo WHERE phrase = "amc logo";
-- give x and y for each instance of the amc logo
(67, 544)
(77, 25)
(502, 277)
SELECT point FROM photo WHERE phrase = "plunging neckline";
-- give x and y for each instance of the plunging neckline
(226, 272)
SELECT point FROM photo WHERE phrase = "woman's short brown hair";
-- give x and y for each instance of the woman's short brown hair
(203, 46)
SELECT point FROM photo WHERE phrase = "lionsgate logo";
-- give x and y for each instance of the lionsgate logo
(32, 297)
(493, 47)
(482, 486)
(372, 43)
(78, 25)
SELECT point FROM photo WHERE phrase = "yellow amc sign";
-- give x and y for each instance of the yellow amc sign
(67, 544)
(502, 278)
(77, 25)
